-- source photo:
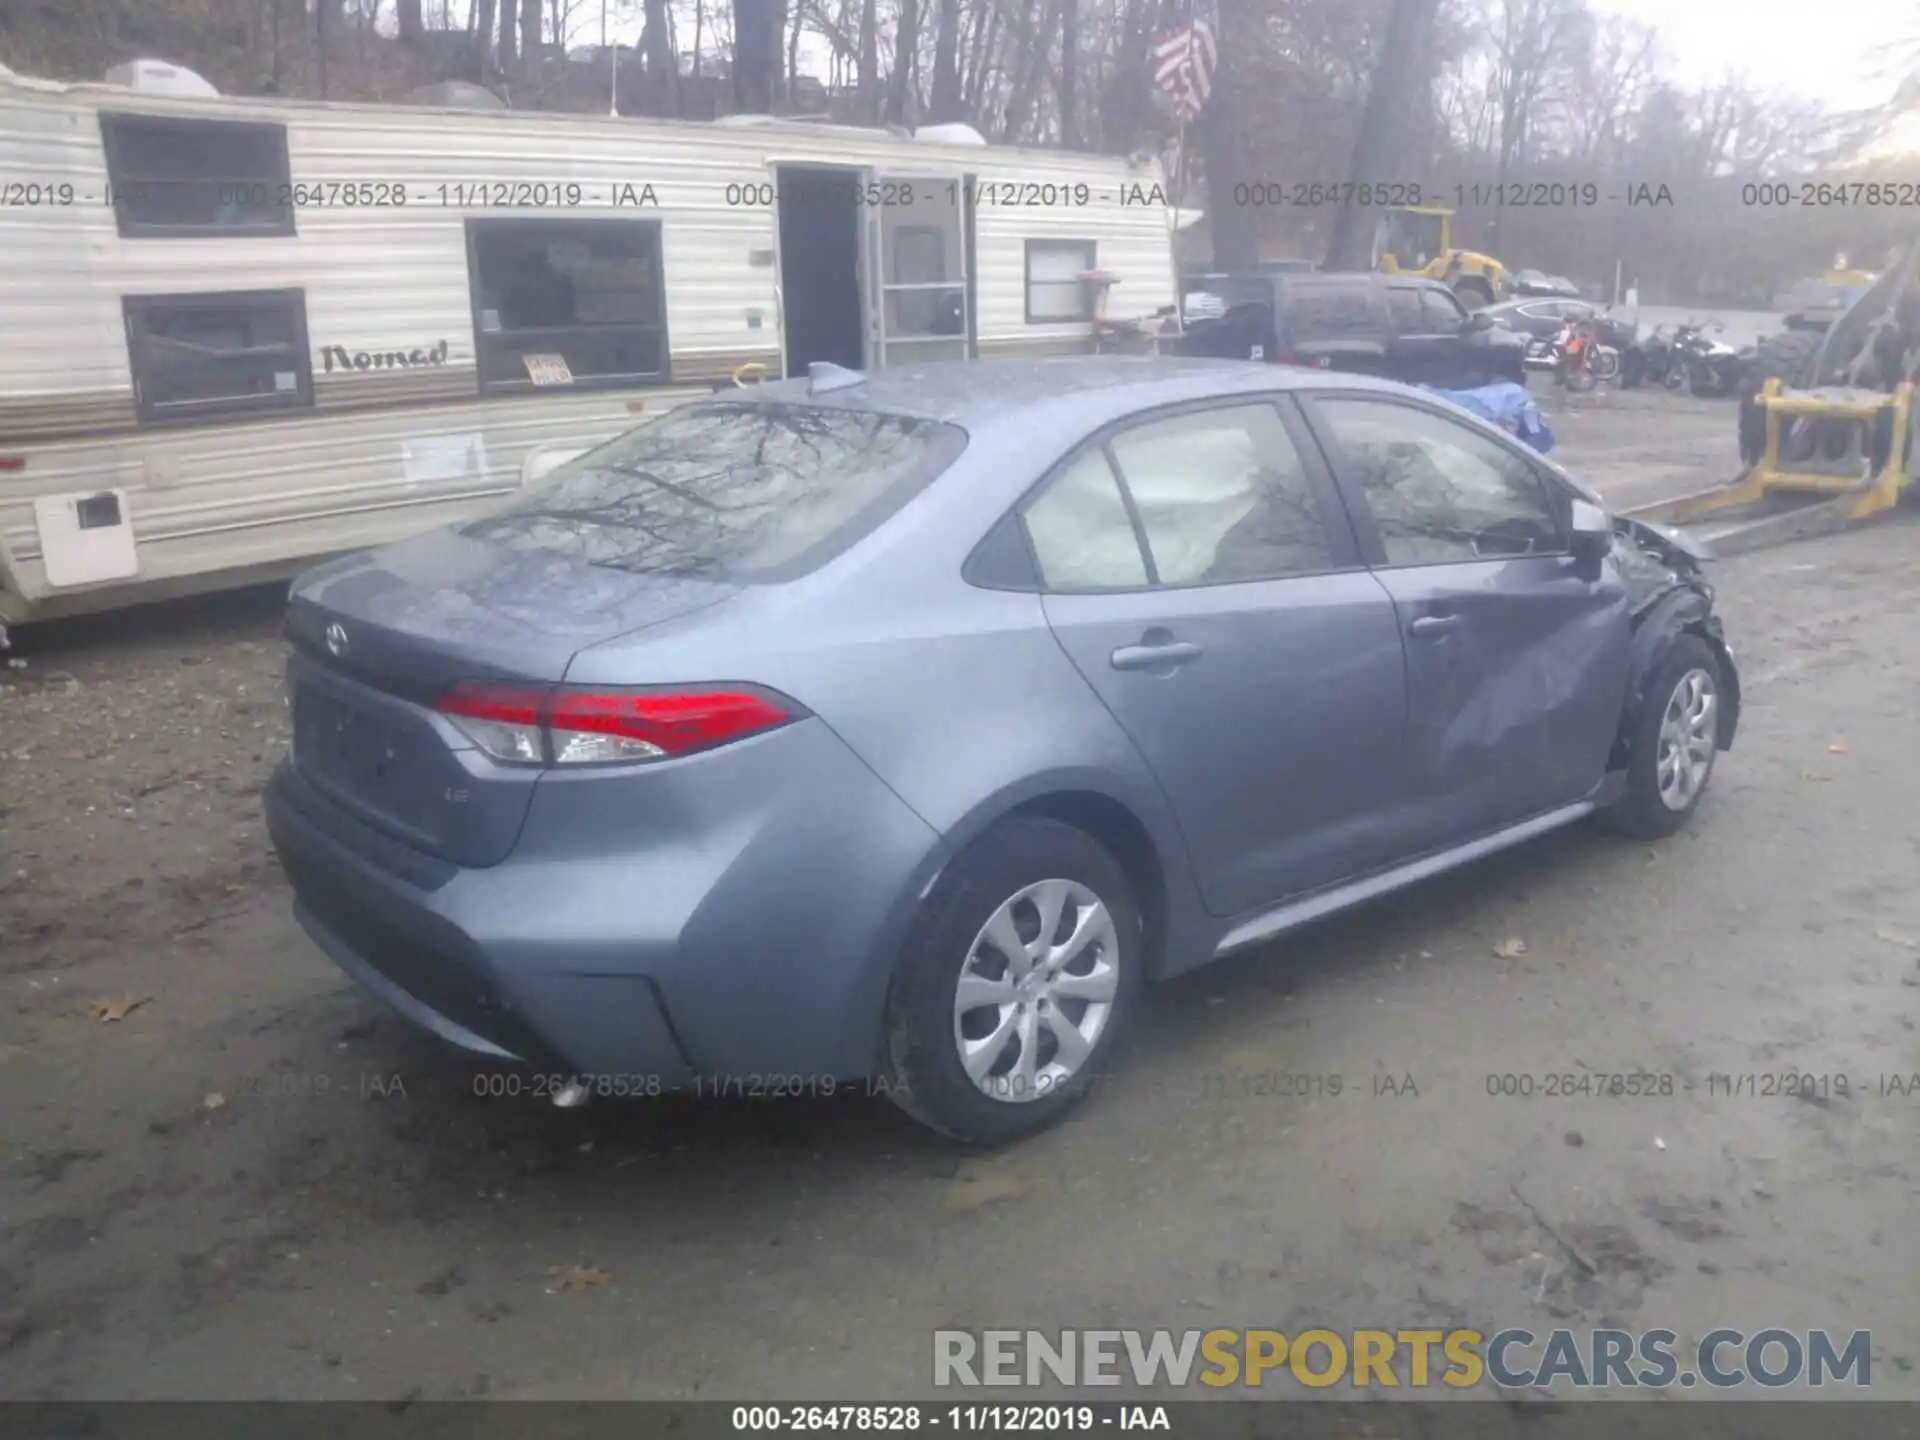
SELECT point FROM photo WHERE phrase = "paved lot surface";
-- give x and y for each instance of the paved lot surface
(257, 1184)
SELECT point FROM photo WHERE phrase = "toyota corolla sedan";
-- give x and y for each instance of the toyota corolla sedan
(900, 728)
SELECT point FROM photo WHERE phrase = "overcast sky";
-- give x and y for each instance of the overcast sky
(1824, 49)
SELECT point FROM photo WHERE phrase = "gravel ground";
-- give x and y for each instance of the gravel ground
(225, 1174)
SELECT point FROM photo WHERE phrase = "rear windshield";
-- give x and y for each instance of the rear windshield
(729, 491)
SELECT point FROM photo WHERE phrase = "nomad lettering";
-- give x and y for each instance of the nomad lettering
(337, 357)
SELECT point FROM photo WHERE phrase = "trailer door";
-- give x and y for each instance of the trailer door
(918, 264)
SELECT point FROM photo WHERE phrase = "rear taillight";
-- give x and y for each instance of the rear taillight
(565, 726)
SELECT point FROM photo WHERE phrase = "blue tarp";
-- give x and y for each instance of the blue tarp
(1507, 405)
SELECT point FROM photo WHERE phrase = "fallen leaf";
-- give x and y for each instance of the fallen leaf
(1839, 747)
(119, 1007)
(1658, 1143)
(577, 1277)
(981, 1182)
(214, 1100)
(1511, 949)
(1901, 940)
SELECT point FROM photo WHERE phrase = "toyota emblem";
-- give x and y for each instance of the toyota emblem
(336, 639)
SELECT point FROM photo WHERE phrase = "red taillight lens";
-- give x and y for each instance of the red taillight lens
(598, 727)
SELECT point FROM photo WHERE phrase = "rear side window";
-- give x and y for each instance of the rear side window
(729, 492)
(1216, 496)
(1404, 306)
(1223, 496)
(1317, 310)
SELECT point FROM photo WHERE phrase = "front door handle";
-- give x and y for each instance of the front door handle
(1430, 627)
(1153, 656)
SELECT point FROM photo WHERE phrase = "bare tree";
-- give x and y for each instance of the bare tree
(530, 33)
(662, 67)
(484, 12)
(1069, 71)
(757, 29)
(1383, 125)
(1531, 39)
(906, 51)
(1033, 48)
(945, 101)
(510, 34)
(1223, 150)
(869, 73)
(413, 25)
(1613, 62)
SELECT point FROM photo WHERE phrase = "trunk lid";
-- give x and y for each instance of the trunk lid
(378, 637)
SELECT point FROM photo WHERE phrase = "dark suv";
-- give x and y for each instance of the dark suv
(1398, 328)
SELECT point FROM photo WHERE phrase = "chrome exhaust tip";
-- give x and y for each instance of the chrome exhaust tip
(570, 1096)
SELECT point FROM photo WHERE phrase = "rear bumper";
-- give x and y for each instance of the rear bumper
(735, 918)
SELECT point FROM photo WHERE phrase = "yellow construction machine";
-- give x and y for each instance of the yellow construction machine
(1418, 240)
(1827, 426)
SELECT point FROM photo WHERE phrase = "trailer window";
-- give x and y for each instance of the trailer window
(567, 304)
(1055, 291)
(176, 177)
(218, 355)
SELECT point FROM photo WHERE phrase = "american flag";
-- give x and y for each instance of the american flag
(1184, 57)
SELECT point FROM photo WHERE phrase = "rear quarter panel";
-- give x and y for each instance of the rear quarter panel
(958, 698)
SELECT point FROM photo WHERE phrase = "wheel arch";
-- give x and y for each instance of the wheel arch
(1683, 612)
(1132, 822)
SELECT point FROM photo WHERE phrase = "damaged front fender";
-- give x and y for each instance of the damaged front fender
(1668, 597)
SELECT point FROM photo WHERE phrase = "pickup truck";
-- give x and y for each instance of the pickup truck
(1395, 327)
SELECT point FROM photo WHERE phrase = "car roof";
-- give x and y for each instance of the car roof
(1090, 388)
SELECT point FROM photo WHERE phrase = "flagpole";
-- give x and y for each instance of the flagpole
(613, 56)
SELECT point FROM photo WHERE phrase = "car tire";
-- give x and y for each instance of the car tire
(1658, 798)
(1005, 877)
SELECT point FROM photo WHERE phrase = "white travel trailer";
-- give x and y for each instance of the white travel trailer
(236, 335)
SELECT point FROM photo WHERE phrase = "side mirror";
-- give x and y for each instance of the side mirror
(543, 460)
(1480, 320)
(1592, 537)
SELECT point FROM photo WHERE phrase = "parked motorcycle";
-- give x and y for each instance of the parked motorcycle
(1656, 358)
(1710, 366)
(1581, 359)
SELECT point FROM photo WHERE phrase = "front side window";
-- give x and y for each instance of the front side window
(567, 304)
(1438, 491)
(729, 492)
(1055, 291)
(1223, 496)
(218, 355)
(180, 177)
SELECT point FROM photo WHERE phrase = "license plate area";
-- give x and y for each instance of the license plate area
(375, 755)
(340, 742)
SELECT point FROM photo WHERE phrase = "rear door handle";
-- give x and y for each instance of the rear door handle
(1429, 627)
(1152, 657)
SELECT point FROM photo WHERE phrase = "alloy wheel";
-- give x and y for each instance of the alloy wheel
(1688, 739)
